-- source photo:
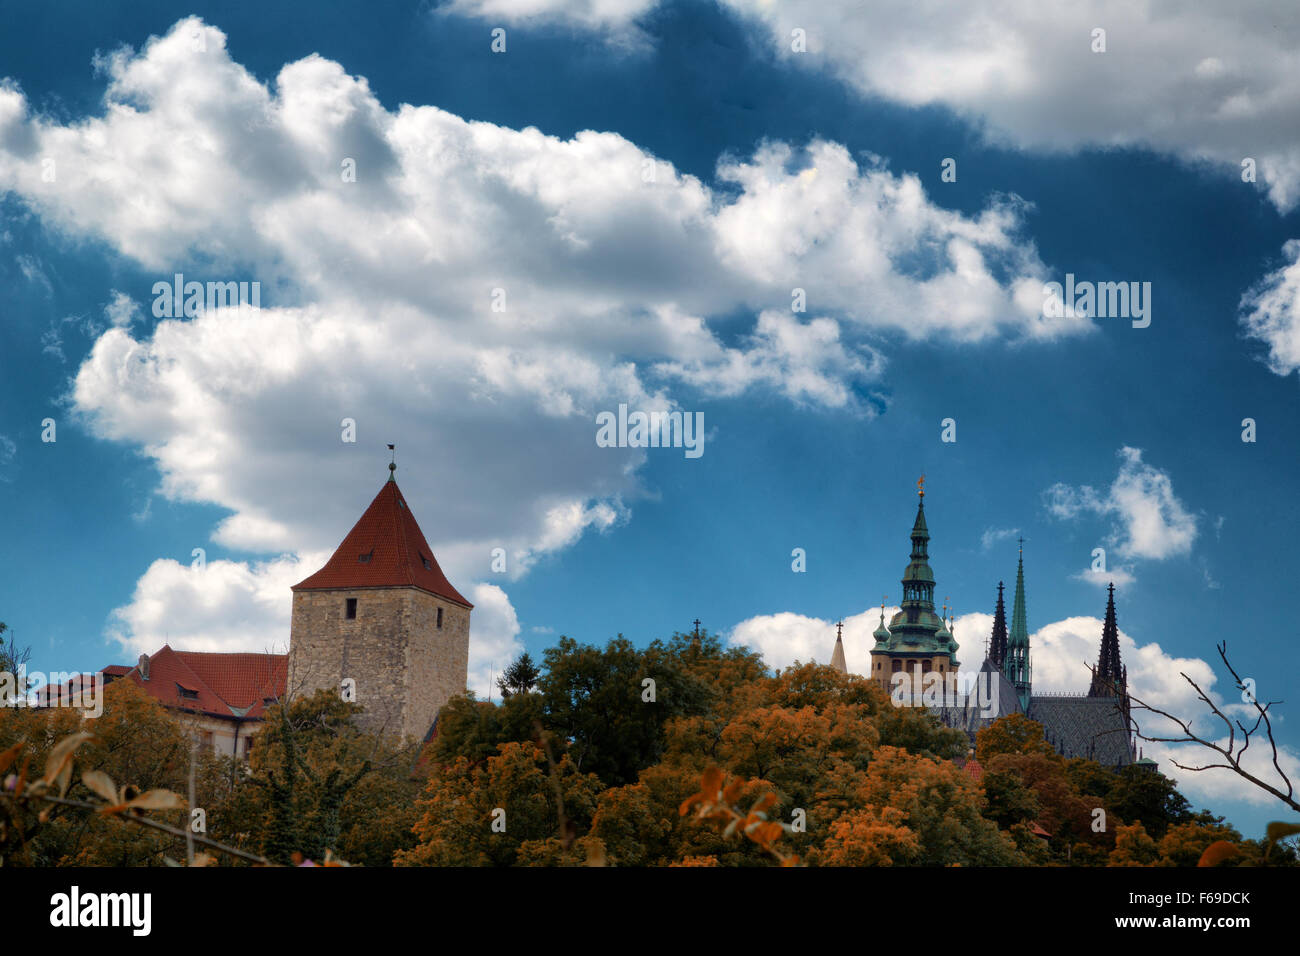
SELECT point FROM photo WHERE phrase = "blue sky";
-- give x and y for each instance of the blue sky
(210, 142)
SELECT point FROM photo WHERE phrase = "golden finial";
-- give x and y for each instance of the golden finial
(920, 486)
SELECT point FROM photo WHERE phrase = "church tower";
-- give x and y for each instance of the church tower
(916, 641)
(1016, 664)
(381, 614)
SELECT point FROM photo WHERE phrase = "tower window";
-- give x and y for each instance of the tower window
(351, 611)
(440, 618)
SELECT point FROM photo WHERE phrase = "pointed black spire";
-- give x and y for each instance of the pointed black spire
(998, 647)
(1111, 677)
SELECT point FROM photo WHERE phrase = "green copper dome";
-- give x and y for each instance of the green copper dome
(916, 628)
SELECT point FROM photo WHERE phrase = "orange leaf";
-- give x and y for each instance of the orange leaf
(690, 802)
(61, 756)
(101, 783)
(158, 800)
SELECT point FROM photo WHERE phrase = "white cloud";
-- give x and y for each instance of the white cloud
(8, 453)
(609, 283)
(1115, 574)
(807, 363)
(992, 536)
(121, 310)
(1150, 521)
(223, 606)
(494, 638)
(616, 16)
(1201, 81)
(32, 268)
(1270, 312)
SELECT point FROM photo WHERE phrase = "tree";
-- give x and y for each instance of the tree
(475, 728)
(134, 741)
(1009, 801)
(941, 805)
(1150, 798)
(874, 836)
(1012, 734)
(482, 814)
(520, 677)
(1184, 843)
(309, 761)
(610, 704)
(1133, 847)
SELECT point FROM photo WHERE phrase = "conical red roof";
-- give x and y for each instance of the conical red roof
(385, 549)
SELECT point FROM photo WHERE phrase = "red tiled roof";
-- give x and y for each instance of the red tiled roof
(396, 553)
(974, 768)
(240, 680)
(226, 685)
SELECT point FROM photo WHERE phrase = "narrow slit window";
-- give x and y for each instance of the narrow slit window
(351, 609)
(440, 618)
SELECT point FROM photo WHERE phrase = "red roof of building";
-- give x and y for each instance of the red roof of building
(385, 549)
(223, 685)
(974, 768)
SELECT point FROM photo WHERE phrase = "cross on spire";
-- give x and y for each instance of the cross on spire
(1022, 544)
(697, 627)
(839, 630)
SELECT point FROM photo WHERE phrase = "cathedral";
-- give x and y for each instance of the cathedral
(918, 649)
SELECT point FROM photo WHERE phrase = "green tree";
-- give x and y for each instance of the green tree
(1141, 795)
(610, 704)
(520, 677)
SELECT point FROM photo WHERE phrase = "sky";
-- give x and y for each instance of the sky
(830, 229)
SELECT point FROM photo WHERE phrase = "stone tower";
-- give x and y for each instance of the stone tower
(382, 613)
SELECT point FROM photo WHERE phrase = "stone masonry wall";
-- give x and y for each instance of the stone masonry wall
(404, 666)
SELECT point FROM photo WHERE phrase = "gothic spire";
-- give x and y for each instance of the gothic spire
(1109, 679)
(998, 648)
(1016, 663)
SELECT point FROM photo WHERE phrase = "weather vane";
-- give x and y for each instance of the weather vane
(920, 486)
